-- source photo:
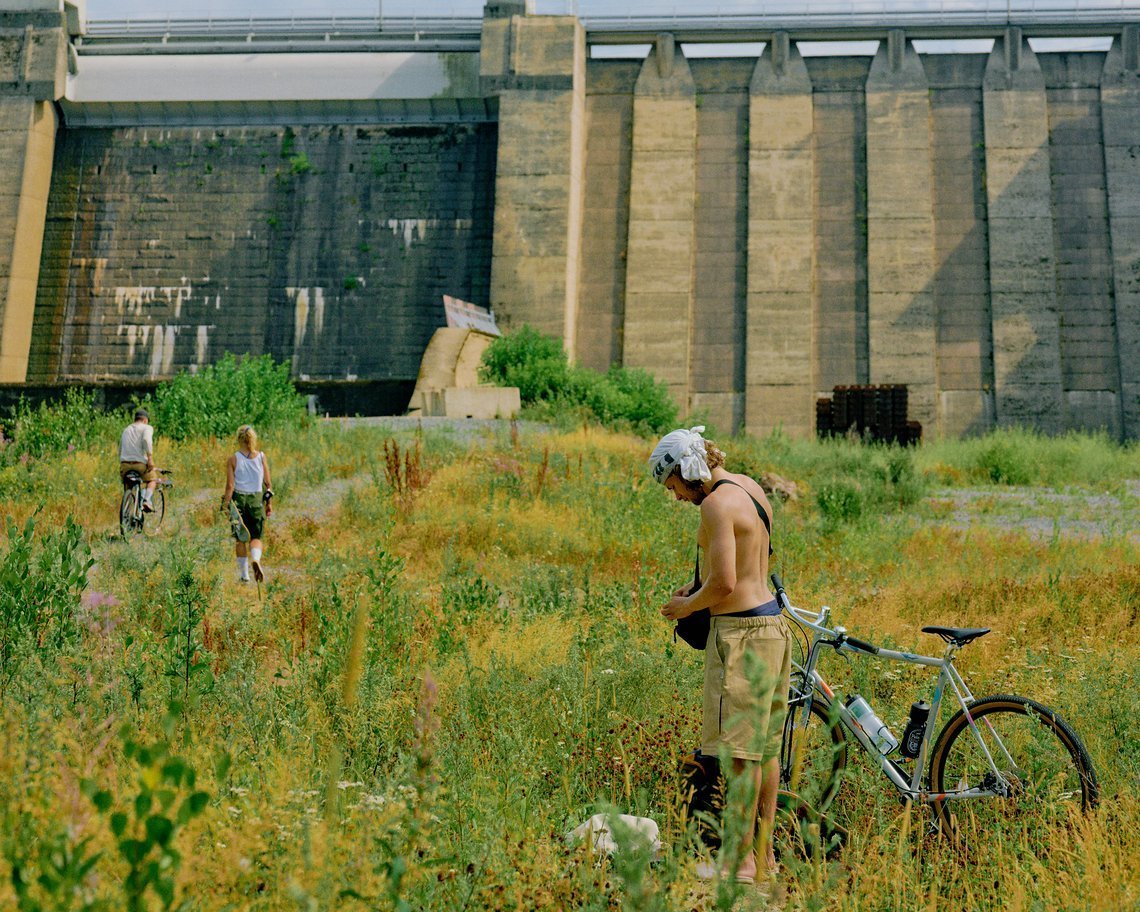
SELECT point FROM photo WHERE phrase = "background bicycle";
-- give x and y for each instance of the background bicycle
(132, 517)
(1000, 761)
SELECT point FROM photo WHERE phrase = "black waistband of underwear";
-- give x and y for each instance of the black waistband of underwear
(768, 609)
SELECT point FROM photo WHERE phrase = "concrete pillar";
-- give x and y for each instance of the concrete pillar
(1023, 283)
(780, 375)
(900, 228)
(33, 69)
(1120, 102)
(659, 260)
(537, 67)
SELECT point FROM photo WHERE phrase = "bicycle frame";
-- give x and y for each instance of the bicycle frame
(912, 788)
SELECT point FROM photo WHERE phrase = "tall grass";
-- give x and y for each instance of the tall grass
(458, 657)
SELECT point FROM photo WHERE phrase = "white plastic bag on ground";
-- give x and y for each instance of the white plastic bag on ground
(632, 832)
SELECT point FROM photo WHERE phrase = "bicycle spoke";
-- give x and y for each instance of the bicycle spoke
(1030, 765)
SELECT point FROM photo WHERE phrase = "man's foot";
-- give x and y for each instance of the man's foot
(146, 507)
(258, 574)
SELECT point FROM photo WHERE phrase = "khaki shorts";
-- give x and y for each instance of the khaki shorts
(139, 467)
(748, 664)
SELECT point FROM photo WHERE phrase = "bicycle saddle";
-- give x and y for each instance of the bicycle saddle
(959, 636)
(132, 477)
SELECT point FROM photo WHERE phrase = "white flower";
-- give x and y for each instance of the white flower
(345, 784)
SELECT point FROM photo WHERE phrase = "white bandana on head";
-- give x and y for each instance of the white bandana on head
(686, 448)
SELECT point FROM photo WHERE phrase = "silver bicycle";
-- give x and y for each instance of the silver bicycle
(132, 516)
(996, 761)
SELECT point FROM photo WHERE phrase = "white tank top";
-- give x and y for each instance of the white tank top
(249, 473)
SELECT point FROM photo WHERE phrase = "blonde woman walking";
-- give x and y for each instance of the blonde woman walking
(248, 488)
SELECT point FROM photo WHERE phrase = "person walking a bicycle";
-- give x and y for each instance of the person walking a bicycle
(249, 489)
(748, 650)
(136, 454)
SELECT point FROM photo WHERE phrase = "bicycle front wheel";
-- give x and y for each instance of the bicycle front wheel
(1040, 771)
(151, 522)
(813, 758)
(127, 511)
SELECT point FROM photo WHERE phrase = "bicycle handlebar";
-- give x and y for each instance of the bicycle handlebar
(815, 622)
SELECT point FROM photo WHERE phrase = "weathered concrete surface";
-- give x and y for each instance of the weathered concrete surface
(720, 242)
(1120, 119)
(33, 69)
(537, 67)
(605, 220)
(840, 193)
(900, 228)
(1023, 275)
(659, 266)
(780, 373)
(327, 247)
(961, 283)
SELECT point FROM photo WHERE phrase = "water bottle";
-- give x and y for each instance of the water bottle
(875, 727)
(915, 729)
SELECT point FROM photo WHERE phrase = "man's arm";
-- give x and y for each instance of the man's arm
(720, 555)
(266, 484)
(148, 443)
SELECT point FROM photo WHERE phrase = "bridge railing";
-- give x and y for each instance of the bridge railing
(641, 17)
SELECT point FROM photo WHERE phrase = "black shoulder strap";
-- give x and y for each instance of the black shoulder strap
(759, 509)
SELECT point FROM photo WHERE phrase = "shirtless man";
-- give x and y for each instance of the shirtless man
(746, 719)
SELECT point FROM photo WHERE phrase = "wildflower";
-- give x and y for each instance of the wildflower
(345, 784)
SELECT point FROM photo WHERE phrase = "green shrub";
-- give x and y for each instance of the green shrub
(840, 500)
(548, 383)
(224, 396)
(57, 427)
(1002, 462)
(41, 583)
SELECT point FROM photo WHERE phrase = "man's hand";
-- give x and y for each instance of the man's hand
(676, 608)
(225, 504)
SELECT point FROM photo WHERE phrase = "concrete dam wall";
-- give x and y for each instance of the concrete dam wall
(752, 231)
(329, 247)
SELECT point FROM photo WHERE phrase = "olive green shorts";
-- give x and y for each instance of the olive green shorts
(252, 510)
(748, 664)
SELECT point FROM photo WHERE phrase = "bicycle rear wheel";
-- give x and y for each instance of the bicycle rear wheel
(813, 759)
(151, 522)
(127, 510)
(1043, 774)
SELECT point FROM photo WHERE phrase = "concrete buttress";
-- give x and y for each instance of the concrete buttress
(659, 262)
(780, 376)
(536, 66)
(900, 228)
(33, 69)
(1120, 99)
(1023, 279)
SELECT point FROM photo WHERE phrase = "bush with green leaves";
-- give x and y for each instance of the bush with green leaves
(41, 584)
(58, 427)
(225, 395)
(622, 398)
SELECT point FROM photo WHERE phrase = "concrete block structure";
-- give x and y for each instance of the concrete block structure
(753, 231)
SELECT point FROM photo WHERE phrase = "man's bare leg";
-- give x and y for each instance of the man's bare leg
(749, 842)
(769, 786)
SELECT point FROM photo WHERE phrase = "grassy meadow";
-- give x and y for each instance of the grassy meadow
(457, 657)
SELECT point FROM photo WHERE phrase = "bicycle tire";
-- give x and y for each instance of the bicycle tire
(817, 775)
(127, 510)
(1045, 765)
(152, 522)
